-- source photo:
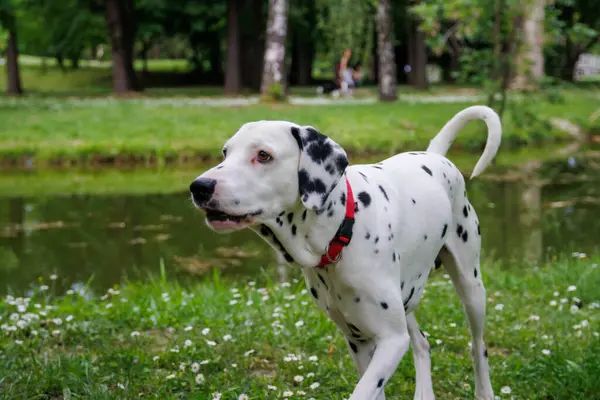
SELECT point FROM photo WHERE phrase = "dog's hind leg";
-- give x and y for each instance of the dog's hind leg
(420, 345)
(461, 260)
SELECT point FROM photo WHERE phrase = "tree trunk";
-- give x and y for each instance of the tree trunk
(13, 74)
(387, 62)
(374, 67)
(233, 82)
(530, 60)
(120, 21)
(302, 60)
(273, 77)
(419, 69)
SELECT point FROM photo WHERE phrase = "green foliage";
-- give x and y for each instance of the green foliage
(167, 340)
(346, 24)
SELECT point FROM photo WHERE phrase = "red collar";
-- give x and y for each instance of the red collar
(333, 251)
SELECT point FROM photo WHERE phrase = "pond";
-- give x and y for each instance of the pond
(103, 234)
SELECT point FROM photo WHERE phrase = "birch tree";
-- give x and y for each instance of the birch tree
(274, 74)
(385, 50)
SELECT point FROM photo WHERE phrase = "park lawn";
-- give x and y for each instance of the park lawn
(189, 340)
(35, 130)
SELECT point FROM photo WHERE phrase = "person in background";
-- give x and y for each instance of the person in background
(346, 77)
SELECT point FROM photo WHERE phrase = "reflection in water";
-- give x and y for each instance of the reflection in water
(111, 238)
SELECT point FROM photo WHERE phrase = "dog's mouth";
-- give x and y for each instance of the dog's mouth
(222, 221)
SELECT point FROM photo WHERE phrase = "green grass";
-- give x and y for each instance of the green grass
(87, 346)
(107, 130)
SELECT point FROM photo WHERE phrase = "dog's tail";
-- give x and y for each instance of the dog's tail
(442, 141)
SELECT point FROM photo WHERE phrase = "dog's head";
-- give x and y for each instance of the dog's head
(269, 167)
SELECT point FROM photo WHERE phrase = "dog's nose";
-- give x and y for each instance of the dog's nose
(202, 189)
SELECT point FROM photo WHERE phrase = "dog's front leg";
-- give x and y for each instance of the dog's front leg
(362, 353)
(392, 342)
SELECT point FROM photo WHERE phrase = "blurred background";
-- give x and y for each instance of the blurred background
(111, 108)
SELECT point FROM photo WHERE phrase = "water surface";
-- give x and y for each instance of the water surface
(551, 210)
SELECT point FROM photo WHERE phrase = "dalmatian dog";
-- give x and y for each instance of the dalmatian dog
(409, 213)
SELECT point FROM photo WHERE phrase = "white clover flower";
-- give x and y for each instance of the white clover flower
(298, 378)
(195, 367)
(43, 288)
(299, 323)
(155, 358)
(53, 277)
(19, 342)
(249, 352)
(315, 385)
(188, 328)
(211, 343)
(121, 386)
(205, 331)
(182, 367)
(506, 390)
(574, 309)
(21, 324)
(233, 302)
(313, 358)
(187, 343)
(310, 374)
(14, 317)
(249, 302)
(553, 303)
(69, 318)
(546, 352)
(499, 307)
(171, 376)
(55, 332)
(288, 393)
(216, 396)
(271, 387)
(243, 396)
(572, 288)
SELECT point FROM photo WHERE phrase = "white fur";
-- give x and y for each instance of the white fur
(371, 292)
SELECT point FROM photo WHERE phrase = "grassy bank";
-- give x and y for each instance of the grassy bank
(165, 340)
(145, 131)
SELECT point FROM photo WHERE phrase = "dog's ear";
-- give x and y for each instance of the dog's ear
(322, 164)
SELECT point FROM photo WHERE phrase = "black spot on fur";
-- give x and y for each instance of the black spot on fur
(296, 135)
(465, 236)
(402, 285)
(475, 272)
(459, 230)
(478, 230)
(290, 217)
(294, 230)
(412, 291)
(422, 334)
(364, 177)
(264, 230)
(376, 239)
(281, 214)
(375, 166)
(384, 305)
(313, 291)
(425, 237)
(304, 215)
(394, 257)
(380, 383)
(357, 299)
(376, 251)
(364, 198)
(330, 213)
(329, 206)
(323, 281)
(288, 257)
(390, 226)
(353, 347)
(384, 193)
(353, 328)
(426, 170)
(368, 236)
(414, 202)
(485, 353)
(330, 168)
(339, 297)
(465, 212)
(219, 167)
(444, 230)
(341, 162)
(343, 198)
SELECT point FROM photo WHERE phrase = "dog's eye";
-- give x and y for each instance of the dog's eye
(264, 157)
